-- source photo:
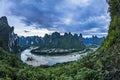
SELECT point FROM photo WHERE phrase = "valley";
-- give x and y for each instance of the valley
(60, 56)
(49, 60)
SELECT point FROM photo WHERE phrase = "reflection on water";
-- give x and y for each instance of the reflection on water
(47, 60)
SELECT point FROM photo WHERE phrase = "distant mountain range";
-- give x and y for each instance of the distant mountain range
(94, 40)
(11, 42)
(55, 40)
(103, 64)
(30, 41)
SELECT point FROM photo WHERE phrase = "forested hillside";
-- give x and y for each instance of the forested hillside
(55, 40)
(104, 64)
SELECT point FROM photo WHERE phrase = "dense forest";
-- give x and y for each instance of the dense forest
(100, 65)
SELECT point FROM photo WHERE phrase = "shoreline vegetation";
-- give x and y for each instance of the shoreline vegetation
(44, 59)
(54, 51)
(59, 51)
(103, 64)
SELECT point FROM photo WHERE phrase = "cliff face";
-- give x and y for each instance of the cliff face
(104, 64)
(107, 57)
(8, 40)
(112, 42)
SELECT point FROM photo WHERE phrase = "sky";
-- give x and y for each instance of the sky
(38, 17)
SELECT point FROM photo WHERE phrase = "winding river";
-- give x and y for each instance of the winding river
(47, 60)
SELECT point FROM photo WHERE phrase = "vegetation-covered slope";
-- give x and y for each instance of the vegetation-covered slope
(104, 64)
(11, 68)
(107, 58)
(55, 40)
(109, 52)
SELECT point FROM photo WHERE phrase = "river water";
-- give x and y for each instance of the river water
(47, 60)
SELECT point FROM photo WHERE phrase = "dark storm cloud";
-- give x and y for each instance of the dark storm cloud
(26, 31)
(63, 15)
(35, 12)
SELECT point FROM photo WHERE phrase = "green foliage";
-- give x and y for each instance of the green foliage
(104, 64)
(64, 42)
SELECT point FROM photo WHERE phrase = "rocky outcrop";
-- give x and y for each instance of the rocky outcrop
(8, 39)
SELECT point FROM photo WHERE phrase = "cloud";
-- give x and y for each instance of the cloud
(26, 31)
(80, 16)
(5, 9)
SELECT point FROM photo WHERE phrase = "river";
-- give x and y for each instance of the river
(47, 60)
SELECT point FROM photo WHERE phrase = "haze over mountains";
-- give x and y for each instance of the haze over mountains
(55, 40)
(103, 64)
(11, 42)
(39, 17)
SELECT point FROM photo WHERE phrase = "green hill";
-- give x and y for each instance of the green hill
(104, 64)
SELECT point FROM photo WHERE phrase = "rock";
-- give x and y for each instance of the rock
(8, 39)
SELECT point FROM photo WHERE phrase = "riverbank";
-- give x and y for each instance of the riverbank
(54, 52)
(38, 60)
